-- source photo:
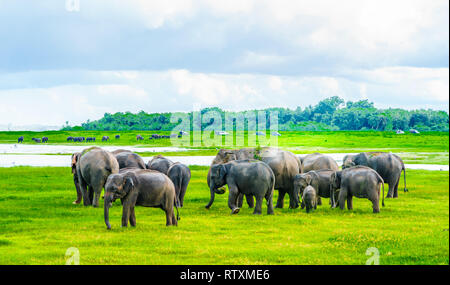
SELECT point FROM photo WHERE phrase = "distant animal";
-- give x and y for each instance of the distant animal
(309, 199)
(105, 139)
(20, 139)
(69, 139)
(45, 139)
(358, 181)
(155, 136)
(90, 139)
(139, 138)
(36, 140)
(117, 137)
(140, 187)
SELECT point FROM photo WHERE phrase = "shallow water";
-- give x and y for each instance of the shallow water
(11, 160)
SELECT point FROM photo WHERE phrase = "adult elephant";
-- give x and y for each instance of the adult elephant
(159, 163)
(318, 161)
(128, 159)
(388, 165)
(93, 166)
(20, 139)
(284, 164)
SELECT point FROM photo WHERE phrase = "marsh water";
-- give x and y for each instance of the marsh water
(56, 155)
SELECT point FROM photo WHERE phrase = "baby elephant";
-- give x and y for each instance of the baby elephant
(309, 198)
(140, 187)
(359, 181)
(247, 177)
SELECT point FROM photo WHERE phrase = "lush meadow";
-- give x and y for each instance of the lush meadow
(39, 223)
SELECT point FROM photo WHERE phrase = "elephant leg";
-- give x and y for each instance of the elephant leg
(96, 192)
(350, 202)
(84, 192)
(168, 217)
(240, 200)
(269, 200)
(396, 188)
(293, 203)
(232, 198)
(125, 215)
(181, 196)
(132, 217)
(77, 187)
(258, 206)
(250, 201)
(319, 201)
(390, 193)
(342, 198)
(280, 201)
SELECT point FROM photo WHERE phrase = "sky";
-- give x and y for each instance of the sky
(74, 60)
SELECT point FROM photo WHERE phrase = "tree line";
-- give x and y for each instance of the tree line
(329, 114)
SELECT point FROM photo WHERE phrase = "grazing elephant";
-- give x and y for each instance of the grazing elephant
(117, 137)
(139, 138)
(284, 164)
(309, 199)
(45, 139)
(388, 165)
(36, 140)
(180, 175)
(75, 157)
(140, 187)
(159, 163)
(20, 139)
(105, 139)
(247, 177)
(93, 166)
(318, 161)
(127, 159)
(358, 181)
(320, 180)
(69, 139)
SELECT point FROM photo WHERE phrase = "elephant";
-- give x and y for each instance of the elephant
(69, 139)
(248, 177)
(105, 139)
(358, 181)
(160, 164)
(309, 199)
(117, 151)
(318, 161)
(90, 139)
(93, 166)
(180, 175)
(388, 165)
(141, 187)
(284, 164)
(20, 139)
(320, 181)
(45, 139)
(36, 140)
(128, 159)
(117, 137)
(139, 138)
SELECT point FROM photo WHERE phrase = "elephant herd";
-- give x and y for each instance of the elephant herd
(124, 175)
(253, 173)
(308, 178)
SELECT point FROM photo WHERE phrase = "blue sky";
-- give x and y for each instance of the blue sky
(63, 62)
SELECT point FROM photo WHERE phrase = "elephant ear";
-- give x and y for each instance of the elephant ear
(130, 181)
(75, 158)
(361, 159)
(308, 179)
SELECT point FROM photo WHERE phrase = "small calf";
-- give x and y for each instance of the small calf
(309, 199)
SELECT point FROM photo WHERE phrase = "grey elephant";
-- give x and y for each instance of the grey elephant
(284, 164)
(309, 199)
(128, 159)
(320, 180)
(358, 181)
(160, 164)
(93, 166)
(388, 165)
(20, 139)
(141, 187)
(180, 175)
(247, 177)
(318, 161)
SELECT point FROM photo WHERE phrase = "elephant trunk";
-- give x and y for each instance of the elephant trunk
(213, 192)
(107, 205)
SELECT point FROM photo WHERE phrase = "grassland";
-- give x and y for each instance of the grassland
(424, 148)
(39, 222)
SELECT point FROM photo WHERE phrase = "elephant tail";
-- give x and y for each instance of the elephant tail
(176, 207)
(382, 202)
(381, 181)
(404, 177)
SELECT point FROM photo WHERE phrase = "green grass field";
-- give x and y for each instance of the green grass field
(39, 223)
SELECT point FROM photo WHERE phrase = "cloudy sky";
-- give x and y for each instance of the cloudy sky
(77, 59)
